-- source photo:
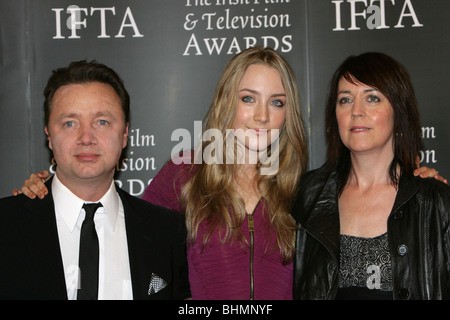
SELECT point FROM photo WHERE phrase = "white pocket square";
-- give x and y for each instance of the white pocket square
(156, 284)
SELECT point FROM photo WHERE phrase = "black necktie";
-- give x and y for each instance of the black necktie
(89, 255)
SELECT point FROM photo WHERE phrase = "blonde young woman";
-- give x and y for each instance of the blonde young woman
(241, 233)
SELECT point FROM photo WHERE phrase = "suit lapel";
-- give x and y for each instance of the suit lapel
(141, 249)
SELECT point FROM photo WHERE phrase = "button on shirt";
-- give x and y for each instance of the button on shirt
(114, 266)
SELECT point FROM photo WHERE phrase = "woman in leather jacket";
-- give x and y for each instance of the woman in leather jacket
(368, 228)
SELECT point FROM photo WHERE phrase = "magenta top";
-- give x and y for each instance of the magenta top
(222, 271)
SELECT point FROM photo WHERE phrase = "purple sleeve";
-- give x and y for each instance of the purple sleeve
(165, 188)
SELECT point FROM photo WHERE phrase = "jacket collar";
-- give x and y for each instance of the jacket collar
(407, 187)
(142, 250)
(323, 221)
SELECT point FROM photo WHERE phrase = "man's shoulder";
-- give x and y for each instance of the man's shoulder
(19, 210)
(17, 202)
(11, 206)
(13, 199)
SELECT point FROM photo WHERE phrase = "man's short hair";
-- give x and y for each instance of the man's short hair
(79, 72)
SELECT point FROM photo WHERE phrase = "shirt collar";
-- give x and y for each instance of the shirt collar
(68, 205)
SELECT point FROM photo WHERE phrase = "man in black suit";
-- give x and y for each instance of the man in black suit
(137, 250)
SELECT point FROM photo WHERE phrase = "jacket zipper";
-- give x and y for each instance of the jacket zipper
(251, 229)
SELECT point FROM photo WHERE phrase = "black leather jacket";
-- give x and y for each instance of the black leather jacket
(418, 235)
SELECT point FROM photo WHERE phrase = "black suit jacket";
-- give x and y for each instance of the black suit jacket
(30, 257)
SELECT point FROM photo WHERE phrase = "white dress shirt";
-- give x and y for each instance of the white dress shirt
(114, 266)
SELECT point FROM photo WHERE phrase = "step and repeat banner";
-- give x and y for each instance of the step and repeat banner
(170, 54)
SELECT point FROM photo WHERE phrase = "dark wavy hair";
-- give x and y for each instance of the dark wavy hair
(85, 72)
(391, 78)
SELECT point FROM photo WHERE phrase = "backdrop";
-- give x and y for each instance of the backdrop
(171, 53)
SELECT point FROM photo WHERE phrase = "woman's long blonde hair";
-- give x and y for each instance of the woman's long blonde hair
(210, 195)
